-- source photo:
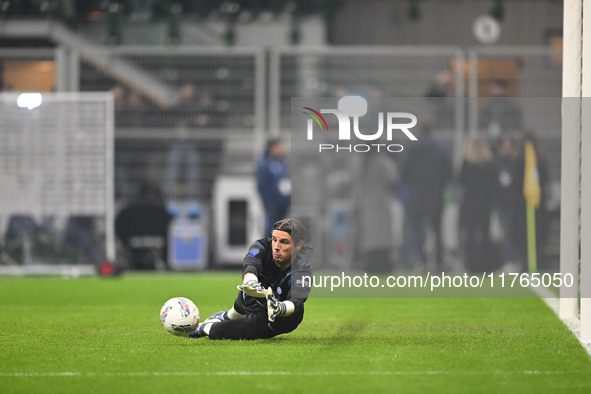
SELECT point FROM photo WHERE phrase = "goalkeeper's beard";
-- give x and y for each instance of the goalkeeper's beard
(282, 262)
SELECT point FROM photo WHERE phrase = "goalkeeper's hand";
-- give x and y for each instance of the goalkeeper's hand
(253, 289)
(275, 308)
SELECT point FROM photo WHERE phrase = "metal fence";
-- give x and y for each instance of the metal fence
(186, 115)
(368, 71)
(411, 72)
(211, 119)
(519, 74)
(165, 94)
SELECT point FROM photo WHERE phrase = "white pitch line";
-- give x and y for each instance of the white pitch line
(267, 373)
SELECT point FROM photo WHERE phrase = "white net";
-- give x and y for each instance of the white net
(56, 161)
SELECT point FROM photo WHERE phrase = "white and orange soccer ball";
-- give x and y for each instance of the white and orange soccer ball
(179, 316)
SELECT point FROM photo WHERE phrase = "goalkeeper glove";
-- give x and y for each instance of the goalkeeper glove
(275, 308)
(253, 289)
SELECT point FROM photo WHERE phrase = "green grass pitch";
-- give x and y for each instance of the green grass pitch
(95, 335)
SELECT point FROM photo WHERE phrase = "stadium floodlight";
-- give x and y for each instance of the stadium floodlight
(29, 100)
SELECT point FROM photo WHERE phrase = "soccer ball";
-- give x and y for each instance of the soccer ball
(179, 316)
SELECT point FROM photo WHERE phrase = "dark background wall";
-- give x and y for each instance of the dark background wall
(443, 22)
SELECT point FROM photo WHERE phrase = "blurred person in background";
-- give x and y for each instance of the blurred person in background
(136, 109)
(208, 115)
(442, 87)
(194, 153)
(185, 112)
(500, 115)
(119, 104)
(274, 183)
(426, 173)
(142, 227)
(182, 161)
(477, 181)
(81, 234)
(375, 192)
(130, 108)
(503, 198)
(195, 109)
(182, 168)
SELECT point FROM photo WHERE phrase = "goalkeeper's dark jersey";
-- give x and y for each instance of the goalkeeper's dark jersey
(286, 285)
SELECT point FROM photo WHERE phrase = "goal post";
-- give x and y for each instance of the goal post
(56, 177)
(575, 224)
(570, 166)
(585, 282)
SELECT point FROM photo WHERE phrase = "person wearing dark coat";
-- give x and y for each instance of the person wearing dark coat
(478, 182)
(274, 184)
(142, 227)
(425, 175)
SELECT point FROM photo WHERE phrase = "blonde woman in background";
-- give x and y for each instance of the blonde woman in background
(477, 181)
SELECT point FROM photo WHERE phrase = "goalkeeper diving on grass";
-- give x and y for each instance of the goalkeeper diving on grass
(272, 294)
